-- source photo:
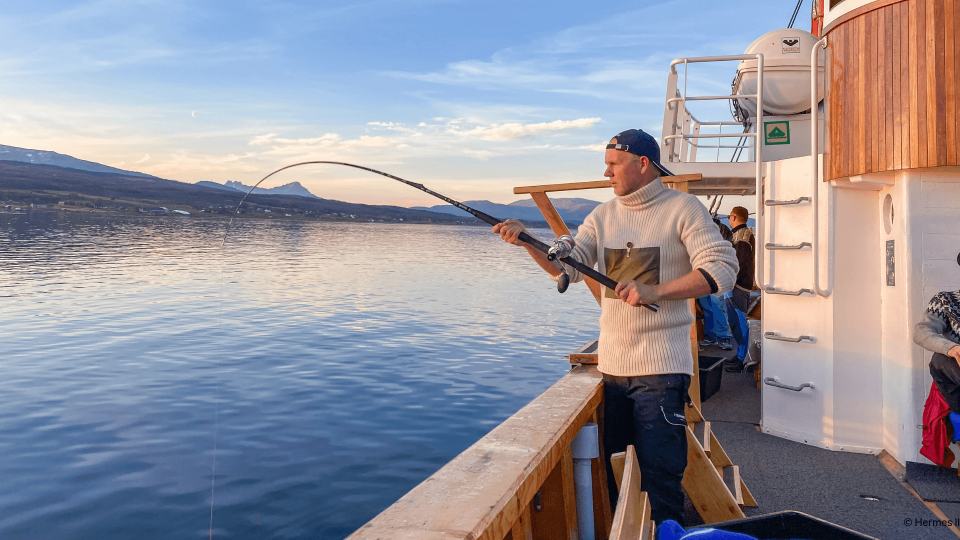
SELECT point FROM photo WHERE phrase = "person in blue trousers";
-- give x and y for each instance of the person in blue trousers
(739, 301)
(716, 328)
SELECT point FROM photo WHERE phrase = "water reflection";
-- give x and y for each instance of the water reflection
(337, 364)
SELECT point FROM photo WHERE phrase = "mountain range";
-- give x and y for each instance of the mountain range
(46, 157)
(293, 188)
(573, 210)
(43, 179)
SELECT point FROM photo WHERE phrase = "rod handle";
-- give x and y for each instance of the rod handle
(584, 269)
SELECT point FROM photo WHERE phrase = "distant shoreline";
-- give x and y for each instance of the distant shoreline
(256, 216)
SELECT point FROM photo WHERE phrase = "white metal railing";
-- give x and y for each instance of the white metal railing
(681, 127)
(676, 102)
(690, 131)
(815, 176)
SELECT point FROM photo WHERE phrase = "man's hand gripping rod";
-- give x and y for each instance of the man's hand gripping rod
(559, 253)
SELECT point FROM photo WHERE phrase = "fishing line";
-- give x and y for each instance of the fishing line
(558, 252)
(216, 402)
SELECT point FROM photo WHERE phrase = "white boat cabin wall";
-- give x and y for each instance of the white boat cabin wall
(852, 245)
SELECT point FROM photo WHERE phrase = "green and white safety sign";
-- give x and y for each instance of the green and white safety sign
(776, 132)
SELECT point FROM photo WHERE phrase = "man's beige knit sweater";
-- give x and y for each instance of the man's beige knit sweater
(652, 235)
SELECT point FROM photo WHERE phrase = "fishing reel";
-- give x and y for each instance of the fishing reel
(562, 247)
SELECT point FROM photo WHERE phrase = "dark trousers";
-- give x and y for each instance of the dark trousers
(648, 413)
(946, 373)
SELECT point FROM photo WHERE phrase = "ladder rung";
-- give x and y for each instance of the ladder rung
(771, 202)
(777, 337)
(774, 290)
(801, 245)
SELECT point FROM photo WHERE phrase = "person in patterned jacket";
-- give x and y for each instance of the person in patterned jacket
(939, 332)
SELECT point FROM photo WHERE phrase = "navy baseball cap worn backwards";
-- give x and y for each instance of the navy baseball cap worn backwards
(640, 143)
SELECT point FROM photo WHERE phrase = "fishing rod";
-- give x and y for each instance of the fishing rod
(558, 253)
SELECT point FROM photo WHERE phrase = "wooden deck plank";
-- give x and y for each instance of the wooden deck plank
(906, 93)
(849, 101)
(617, 463)
(569, 494)
(913, 58)
(523, 528)
(881, 63)
(633, 506)
(940, 99)
(718, 456)
(705, 487)
(549, 522)
(950, 78)
(603, 514)
(861, 137)
(888, 70)
(869, 104)
(930, 57)
(891, 67)
(731, 477)
(923, 130)
(956, 75)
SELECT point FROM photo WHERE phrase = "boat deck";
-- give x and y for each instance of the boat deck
(856, 491)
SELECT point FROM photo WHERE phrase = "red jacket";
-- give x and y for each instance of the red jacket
(936, 438)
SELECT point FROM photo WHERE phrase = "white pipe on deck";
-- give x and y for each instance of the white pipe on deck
(585, 446)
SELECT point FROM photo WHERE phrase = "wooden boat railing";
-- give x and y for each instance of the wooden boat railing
(516, 482)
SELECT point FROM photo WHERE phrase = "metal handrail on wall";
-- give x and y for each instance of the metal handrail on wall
(814, 174)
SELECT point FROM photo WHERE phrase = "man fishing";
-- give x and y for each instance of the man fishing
(661, 246)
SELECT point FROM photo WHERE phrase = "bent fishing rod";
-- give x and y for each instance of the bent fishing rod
(558, 253)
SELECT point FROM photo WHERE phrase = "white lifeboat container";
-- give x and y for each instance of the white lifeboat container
(786, 66)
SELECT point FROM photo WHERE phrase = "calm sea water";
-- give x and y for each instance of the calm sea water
(302, 378)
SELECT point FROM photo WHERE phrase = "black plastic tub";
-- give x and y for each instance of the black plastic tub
(788, 525)
(711, 373)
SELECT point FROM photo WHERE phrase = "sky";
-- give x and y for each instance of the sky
(470, 98)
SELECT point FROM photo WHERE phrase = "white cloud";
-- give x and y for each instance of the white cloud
(451, 136)
(326, 144)
(516, 130)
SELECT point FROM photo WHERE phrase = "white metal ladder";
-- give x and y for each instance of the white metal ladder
(814, 244)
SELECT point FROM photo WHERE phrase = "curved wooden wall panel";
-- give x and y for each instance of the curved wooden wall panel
(892, 98)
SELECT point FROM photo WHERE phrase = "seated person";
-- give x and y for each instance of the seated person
(939, 332)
